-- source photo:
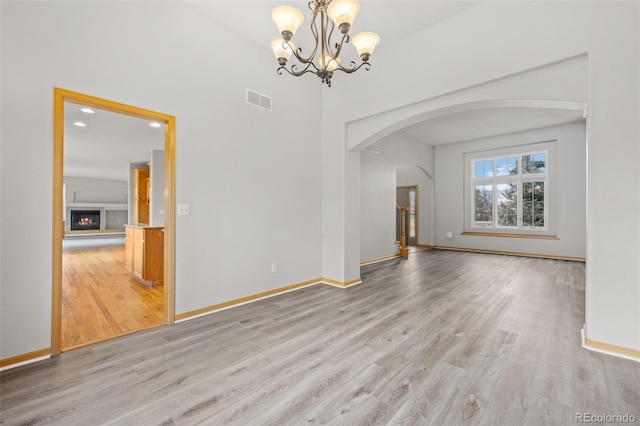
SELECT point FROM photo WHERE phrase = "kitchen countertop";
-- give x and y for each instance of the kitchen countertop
(143, 226)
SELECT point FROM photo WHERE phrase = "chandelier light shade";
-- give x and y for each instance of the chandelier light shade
(342, 13)
(281, 49)
(288, 19)
(365, 43)
(328, 62)
(326, 16)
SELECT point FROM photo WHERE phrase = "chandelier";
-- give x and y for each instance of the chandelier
(326, 16)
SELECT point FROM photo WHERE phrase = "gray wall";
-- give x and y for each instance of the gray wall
(567, 215)
(116, 219)
(156, 209)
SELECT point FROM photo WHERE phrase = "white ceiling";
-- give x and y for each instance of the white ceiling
(109, 142)
(392, 20)
(105, 147)
(484, 123)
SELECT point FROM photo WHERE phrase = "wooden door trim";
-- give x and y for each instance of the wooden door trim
(60, 96)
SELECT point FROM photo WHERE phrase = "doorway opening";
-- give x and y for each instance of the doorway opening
(112, 255)
(407, 197)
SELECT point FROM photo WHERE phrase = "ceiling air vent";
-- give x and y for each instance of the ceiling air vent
(375, 148)
(257, 99)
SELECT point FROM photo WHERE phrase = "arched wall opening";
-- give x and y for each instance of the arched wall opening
(559, 123)
(533, 97)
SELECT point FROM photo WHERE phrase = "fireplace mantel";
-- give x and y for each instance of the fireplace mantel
(106, 206)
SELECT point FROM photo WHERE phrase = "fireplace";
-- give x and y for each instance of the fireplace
(85, 219)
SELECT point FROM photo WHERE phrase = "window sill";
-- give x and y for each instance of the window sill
(505, 235)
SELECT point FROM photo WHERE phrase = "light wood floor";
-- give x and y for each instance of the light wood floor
(442, 338)
(100, 300)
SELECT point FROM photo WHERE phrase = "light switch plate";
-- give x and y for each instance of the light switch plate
(183, 209)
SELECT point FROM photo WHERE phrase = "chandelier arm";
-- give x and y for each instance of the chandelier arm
(293, 71)
(298, 54)
(353, 68)
(323, 37)
(345, 39)
(328, 40)
(314, 32)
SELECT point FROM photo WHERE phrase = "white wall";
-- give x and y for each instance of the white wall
(156, 209)
(567, 217)
(377, 232)
(381, 173)
(90, 190)
(253, 183)
(485, 44)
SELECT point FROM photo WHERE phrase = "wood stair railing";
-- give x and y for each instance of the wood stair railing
(404, 251)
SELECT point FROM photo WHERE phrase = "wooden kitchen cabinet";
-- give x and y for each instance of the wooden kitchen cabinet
(140, 184)
(128, 248)
(138, 253)
(145, 246)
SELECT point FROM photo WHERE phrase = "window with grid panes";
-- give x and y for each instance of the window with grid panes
(508, 192)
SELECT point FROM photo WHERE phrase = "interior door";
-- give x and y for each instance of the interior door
(407, 196)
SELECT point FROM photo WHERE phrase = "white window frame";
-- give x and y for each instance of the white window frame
(546, 148)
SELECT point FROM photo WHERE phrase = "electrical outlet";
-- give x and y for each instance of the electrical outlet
(183, 209)
(161, 211)
(274, 267)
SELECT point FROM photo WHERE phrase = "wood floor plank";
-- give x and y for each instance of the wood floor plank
(101, 300)
(440, 338)
(430, 397)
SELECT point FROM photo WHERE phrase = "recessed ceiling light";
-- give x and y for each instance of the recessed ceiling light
(87, 110)
(154, 124)
(79, 124)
